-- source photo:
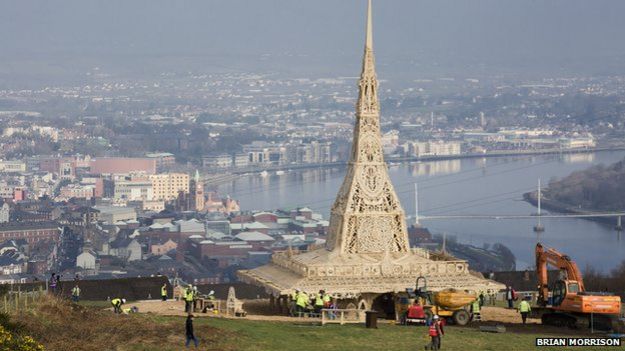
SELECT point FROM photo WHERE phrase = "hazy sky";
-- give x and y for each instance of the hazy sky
(523, 35)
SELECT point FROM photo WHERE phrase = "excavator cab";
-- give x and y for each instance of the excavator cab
(561, 289)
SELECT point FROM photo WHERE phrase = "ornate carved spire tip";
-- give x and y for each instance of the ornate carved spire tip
(369, 39)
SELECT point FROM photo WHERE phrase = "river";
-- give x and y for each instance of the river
(478, 186)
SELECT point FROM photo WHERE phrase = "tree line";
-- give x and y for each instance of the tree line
(596, 188)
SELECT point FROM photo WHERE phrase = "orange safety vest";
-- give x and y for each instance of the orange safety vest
(433, 330)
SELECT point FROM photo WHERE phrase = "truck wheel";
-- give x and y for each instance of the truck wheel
(461, 317)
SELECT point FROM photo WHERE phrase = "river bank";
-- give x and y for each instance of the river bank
(233, 174)
(560, 207)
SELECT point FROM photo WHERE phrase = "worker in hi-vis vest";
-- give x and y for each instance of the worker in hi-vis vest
(164, 292)
(524, 308)
(117, 304)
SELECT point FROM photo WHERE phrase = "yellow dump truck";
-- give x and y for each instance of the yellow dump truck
(451, 304)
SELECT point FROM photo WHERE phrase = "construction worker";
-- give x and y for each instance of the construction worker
(196, 296)
(164, 292)
(293, 302)
(319, 302)
(117, 304)
(75, 293)
(475, 310)
(327, 299)
(435, 331)
(188, 299)
(301, 303)
(524, 308)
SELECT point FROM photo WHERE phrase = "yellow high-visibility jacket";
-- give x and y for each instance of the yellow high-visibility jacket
(524, 306)
(476, 306)
(302, 299)
(326, 298)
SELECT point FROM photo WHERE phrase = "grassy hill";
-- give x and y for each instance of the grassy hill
(59, 325)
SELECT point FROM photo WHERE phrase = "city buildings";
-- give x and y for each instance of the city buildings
(32, 233)
(433, 148)
(166, 186)
(164, 160)
(122, 165)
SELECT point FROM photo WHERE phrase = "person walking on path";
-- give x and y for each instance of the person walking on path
(75, 293)
(436, 332)
(189, 331)
(164, 292)
(524, 308)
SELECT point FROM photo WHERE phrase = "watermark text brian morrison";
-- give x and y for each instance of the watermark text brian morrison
(567, 342)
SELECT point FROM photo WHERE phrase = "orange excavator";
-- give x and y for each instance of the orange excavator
(570, 303)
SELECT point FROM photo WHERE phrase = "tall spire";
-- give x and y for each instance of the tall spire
(368, 84)
(369, 40)
(367, 216)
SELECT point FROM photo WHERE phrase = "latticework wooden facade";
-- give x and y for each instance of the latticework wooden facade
(367, 250)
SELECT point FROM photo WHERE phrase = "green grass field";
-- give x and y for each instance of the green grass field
(60, 325)
(275, 336)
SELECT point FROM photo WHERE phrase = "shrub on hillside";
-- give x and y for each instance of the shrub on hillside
(15, 342)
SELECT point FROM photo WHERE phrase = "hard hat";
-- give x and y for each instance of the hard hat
(123, 300)
(211, 292)
(435, 316)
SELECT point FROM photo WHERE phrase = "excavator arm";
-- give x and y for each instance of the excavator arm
(556, 259)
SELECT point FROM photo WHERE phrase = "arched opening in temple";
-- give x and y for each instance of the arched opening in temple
(385, 305)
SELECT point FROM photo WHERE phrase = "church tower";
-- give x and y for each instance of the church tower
(197, 191)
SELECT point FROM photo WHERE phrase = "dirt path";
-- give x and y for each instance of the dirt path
(258, 310)
(255, 309)
(504, 315)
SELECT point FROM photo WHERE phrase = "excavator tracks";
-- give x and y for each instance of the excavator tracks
(596, 322)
